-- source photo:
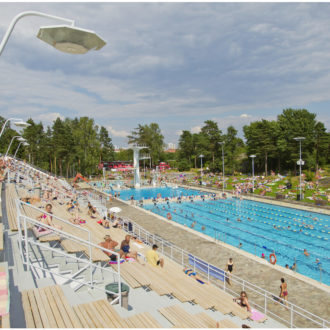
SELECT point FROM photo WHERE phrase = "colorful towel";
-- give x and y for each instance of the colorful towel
(4, 294)
(257, 316)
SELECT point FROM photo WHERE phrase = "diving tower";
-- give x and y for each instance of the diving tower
(136, 163)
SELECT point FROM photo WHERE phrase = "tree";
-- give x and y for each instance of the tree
(151, 137)
(107, 149)
(261, 140)
(186, 146)
(233, 149)
(212, 135)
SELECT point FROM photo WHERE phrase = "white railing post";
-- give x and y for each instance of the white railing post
(243, 286)
(26, 245)
(90, 259)
(194, 264)
(119, 279)
(171, 251)
(265, 308)
(224, 282)
(19, 230)
(208, 272)
(291, 317)
(182, 261)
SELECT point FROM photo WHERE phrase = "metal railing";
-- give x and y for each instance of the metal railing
(258, 297)
(27, 243)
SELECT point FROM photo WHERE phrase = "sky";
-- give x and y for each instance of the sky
(176, 64)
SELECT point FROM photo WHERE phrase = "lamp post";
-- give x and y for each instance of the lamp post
(300, 162)
(66, 38)
(201, 157)
(14, 137)
(24, 144)
(223, 167)
(253, 156)
(18, 122)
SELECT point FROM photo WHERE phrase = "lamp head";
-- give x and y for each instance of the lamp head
(25, 144)
(201, 156)
(69, 39)
(21, 139)
(253, 156)
(300, 138)
(21, 123)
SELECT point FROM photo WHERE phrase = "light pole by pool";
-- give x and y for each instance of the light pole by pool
(201, 157)
(17, 122)
(223, 167)
(66, 38)
(253, 156)
(19, 138)
(24, 144)
(300, 162)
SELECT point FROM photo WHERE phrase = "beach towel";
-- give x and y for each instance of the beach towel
(4, 294)
(257, 316)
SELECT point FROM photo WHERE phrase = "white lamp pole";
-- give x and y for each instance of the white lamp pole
(14, 137)
(18, 122)
(66, 38)
(24, 144)
(223, 168)
(253, 156)
(300, 163)
(201, 157)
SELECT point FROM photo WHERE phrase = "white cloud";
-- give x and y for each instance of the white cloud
(117, 133)
(195, 129)
(245, 115)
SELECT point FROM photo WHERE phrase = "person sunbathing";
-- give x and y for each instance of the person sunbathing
(193, 274)
(104, 222)
(77, 220)
(243, 301)
(48, 219)
(109, 244)
(125, 249)
(91, 210)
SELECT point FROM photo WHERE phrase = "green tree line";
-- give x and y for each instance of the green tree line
(67, 147)
(79, 145)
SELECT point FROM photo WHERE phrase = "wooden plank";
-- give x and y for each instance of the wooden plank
(27, 310)
(5, 321)
(122, 323)
(89, 321)
(72, 315)
(72, 246)
(43, 310)
(48, 308)
(111, 323)
(225, 323)
(135, 320)
(57, 315)
(93, 315)
(206, 319)
(80, 316)
(34, 309)
(61, 307)
(49, 238)
(152, 321)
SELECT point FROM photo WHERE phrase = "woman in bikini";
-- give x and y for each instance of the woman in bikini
(47, 219)
(284, 291)
(243, 301)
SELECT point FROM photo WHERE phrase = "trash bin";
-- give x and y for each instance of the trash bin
(124, 293)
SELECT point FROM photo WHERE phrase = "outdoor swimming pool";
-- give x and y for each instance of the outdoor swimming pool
(256, 230)
(146, 193)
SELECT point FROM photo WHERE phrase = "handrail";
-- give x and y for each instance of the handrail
(88, 243)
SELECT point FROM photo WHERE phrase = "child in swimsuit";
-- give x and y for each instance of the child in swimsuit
(193, 274)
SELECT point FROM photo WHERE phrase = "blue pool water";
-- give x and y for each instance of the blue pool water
(256, 230)
(146, 193)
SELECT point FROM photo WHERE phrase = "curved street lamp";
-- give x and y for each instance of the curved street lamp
(24, 144)
(19, 138)
(66, 38)
(300, 162)
(223, 167)
(201, 157)
(18, 122)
